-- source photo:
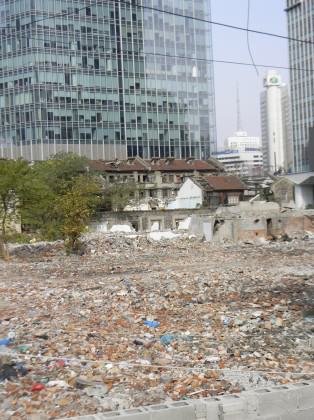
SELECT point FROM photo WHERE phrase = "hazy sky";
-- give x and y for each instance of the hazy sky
(266, 15)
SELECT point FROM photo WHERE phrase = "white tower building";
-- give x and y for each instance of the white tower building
(276, 124)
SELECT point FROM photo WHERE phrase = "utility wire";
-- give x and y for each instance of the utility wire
(195, 59)
(248, 36)
(212, 22)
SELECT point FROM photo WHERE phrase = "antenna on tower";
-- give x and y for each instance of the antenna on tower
(239, 123)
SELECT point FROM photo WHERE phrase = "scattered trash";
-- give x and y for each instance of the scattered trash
(152, 324)
(23, 348)
(38, 387)
(167, 339)
(5, 341)
(21, 369)
(41, 334)
(58, 383)
(308, 315)
(225, 320)
(97, 391)
(138, 342)
(141, 322)
(7, 372)
(11, 335)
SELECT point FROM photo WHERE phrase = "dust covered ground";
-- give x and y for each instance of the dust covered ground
(133, 322)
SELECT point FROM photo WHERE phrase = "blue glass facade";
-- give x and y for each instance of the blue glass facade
(92, 77)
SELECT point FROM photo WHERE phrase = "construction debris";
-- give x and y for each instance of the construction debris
(135, 322)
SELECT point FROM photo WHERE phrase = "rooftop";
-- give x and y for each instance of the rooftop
(165, 165)
(225, 183)
(306, 178)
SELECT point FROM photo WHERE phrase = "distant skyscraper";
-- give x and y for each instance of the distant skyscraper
(276, 125)
(106, 79)
(240, 140)
(242, 154)
(300, 15)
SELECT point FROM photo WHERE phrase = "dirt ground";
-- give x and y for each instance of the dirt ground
(133, 323)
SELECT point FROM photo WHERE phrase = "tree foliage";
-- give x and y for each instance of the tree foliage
(75, 207)
(15, 185)
(117, 196)
(60, 171)
(54, 198)
(58, 175)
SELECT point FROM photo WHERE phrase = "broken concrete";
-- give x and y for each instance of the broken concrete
(255, 221)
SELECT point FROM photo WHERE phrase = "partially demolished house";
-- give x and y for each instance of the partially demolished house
(295, 191)
(156, 178)
(209, 191)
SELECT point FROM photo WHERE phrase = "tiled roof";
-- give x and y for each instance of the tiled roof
(118, 166)
(225, 183)
(182, 165)
(164, 165)
(302, 178)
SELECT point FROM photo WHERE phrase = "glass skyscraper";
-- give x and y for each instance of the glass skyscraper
(106, 79)
(300, 26)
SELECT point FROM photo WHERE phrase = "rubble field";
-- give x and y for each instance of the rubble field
(135, 322)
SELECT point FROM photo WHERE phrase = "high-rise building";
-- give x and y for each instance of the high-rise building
(300, 15)
(106, 79)
(276, 125)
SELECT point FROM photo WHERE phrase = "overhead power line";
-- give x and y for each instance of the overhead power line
(212, 22)
(239, 63)
(248, 35)
(194, 59)
(230, 62)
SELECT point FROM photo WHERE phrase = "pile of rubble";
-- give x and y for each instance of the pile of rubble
(35, 249)
(135, 322)
(99, 244)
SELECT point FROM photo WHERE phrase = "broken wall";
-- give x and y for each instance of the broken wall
(143, 221)
(246, 222)
(202, 226)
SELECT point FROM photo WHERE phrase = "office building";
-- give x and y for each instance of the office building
(241, 141)
(245, 162)
(300, 14)
(106, 79)
(276, 125)
(242, 155)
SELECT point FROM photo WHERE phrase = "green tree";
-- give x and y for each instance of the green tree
(117, 196)
(19, 191)
(60, 170)
(59, 174)
(12, 176)
(75, 209)
(56, 197)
